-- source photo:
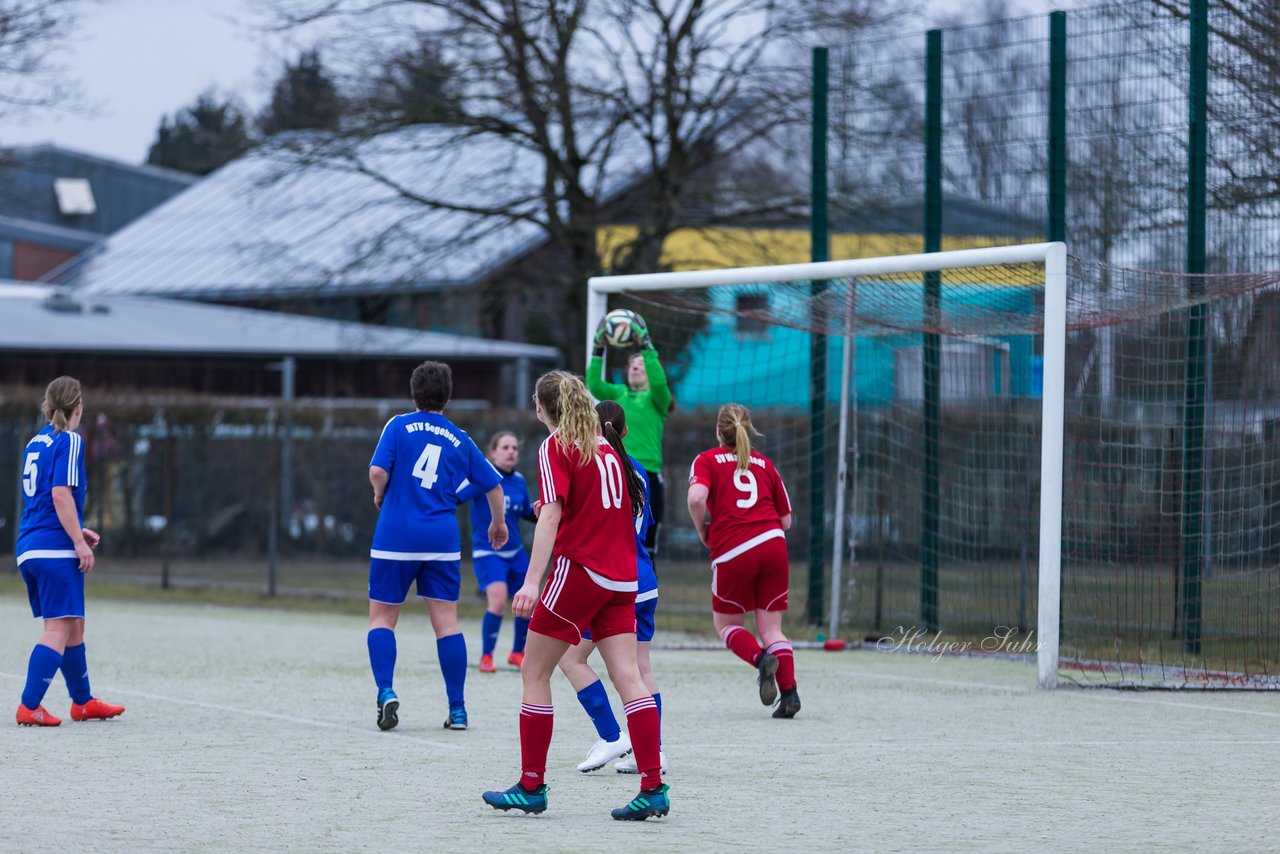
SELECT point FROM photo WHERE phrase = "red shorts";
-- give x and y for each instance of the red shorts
(573, 602)
(751, 576)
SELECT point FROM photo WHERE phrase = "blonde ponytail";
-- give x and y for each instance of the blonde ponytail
(734, 427)
(564, 399)
(61, 398)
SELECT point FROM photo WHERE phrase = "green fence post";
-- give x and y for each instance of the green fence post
(1057, 230)
(932, 350)
(1193, 411)
(1057, 126)
(820, 250)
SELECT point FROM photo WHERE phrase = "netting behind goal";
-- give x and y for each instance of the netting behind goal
(941, 517)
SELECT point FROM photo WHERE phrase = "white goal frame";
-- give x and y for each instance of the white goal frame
(1054, 258)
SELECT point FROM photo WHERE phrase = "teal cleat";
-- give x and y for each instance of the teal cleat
(457, 718)
(388, 705)
(653, 802)
(519, 798)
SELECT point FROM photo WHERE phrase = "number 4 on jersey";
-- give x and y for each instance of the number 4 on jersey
(425, 468)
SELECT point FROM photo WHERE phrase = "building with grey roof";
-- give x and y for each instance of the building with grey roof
(131, 344)
(55, 203)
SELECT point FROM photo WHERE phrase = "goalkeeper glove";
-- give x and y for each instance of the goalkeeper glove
(598, 343)
(640, 334)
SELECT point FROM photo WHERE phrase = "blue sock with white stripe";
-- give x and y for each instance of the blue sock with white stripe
(41, 668)
(522, 632)
(594, 699)
(75, 669)
(382, 657)
(490, 625)
(452, 651)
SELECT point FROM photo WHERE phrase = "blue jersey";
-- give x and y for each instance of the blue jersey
(647, 579)
(518, 505)
(52, 458)
(430, 461)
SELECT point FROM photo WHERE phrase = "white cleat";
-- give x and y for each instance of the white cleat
(603, 752)
(628, 765)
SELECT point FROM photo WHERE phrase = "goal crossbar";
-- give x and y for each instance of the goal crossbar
(1054, 258)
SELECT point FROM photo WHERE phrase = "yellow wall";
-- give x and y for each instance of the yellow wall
(715, 248)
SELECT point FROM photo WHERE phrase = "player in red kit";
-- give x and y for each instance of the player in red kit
(749, 510)
(590, 495)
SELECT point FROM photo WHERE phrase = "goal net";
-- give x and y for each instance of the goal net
(1000, 451)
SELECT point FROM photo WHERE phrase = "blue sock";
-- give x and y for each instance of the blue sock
(41, 668)
(594, 699)
(490, 624)
(382, 657)
(657, 701)
(452, 651)
(522, 632)
(76, 671)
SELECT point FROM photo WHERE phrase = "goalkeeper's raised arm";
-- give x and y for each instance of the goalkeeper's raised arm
(646, 399)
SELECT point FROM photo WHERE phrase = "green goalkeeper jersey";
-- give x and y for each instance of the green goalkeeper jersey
(646, 410)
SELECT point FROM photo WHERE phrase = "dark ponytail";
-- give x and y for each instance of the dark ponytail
(613, 423)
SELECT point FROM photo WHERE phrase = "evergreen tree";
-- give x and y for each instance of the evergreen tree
(304, 98)
(415, 87)
(202, 137)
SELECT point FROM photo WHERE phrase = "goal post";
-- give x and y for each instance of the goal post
(1051, 258)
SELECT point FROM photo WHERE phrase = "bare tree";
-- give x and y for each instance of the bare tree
(33, 35)
(653, 95)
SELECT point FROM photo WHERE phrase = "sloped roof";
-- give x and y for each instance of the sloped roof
(36, 318)
(123, 191)
(280, 221)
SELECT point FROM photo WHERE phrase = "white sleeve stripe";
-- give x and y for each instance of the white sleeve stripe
(547, 482)
(73, 455)
(386, 427)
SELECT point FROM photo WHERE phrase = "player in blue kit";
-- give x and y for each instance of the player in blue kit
(501, 572)
(613, 743)
(54, 552)
(422, 463)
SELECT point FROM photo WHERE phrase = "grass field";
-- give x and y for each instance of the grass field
(251, 729)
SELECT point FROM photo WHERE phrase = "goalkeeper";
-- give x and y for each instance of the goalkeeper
(646, 399)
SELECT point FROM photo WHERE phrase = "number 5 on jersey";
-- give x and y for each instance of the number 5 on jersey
(29, 474)
(425, 468)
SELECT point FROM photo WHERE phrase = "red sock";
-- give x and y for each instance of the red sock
(536, 723)
(786, 664)
(742, 644)
(644, 728)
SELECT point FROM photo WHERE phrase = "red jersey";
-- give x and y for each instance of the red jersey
(597, 529)
(743, 505)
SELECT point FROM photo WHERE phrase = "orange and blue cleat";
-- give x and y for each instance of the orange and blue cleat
(486, 664)
(95, 710)
(35, 717)
(515, 659)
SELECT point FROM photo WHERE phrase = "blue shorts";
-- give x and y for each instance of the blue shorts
(494, 567)
(55, 586)
(390, 580)
(644, 621)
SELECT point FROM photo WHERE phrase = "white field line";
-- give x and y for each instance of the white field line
(256, 713)
(1105, 697)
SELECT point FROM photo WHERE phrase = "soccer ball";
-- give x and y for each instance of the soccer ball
(617, 326)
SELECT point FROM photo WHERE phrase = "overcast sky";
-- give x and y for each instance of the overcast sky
(137, 60)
